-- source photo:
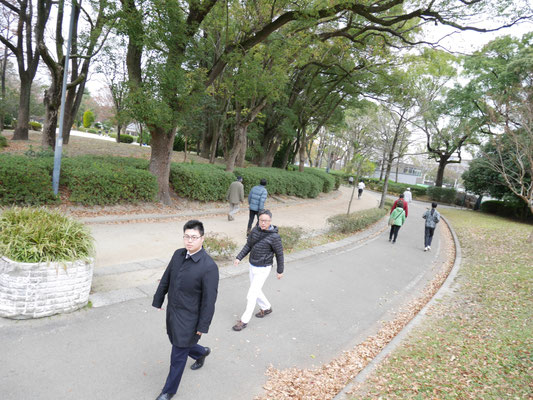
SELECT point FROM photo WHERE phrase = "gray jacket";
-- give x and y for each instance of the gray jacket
(432, 219)
(235, 193)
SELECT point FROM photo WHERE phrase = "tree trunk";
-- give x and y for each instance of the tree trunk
(162, 142)
(3, 89)
(239, 141)
(440, 171)
(52, 102)
(241, 157)
(23, 118)
(301, 153)
(268, 158)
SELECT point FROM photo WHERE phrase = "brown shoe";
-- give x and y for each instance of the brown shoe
(239, 326)
(262, 313)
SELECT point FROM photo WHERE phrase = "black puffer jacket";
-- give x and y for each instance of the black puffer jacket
(262, 245)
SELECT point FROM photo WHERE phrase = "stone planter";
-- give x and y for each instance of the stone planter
(29, 290)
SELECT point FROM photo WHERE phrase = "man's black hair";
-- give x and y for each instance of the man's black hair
(263, 182)
(402, 196)
(239, 178)
(264, 212)
(434, 204)
(194, 224)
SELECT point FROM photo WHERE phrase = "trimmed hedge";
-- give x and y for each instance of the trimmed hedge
(280, 181)
(329, 180)
(443, 195)
(204, 182)
(343, 223)
(395, 187)
(24, 181)
(93, 181)
(35, 126)
(3, 142)
(507, 209)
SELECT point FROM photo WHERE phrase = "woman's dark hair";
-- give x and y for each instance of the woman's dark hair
(194, 224)
(434, 205)
(263, 182)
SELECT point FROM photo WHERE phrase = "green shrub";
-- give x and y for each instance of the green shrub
(93, 181)
(290, 236)
(88, 118)
(507, 209)
(329, 180)
(3, 142)
(35, 126)
(282, 182)
(204, 182)
(126, 138)
(25, 181)
(343, 223)
(37, 235)
(442, 195)
(394, 187)
(91, 130)
(179, 143)
(220, 246)
(42, 152)
(146, 138)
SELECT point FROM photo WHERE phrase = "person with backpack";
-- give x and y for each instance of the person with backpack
(396, 220)
(256, 202)
(432, 218)
(404, 204)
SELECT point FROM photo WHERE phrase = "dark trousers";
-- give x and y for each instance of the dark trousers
(253, 214)
(359, 193)
(428, 236)
(178, 359)
(394, 229)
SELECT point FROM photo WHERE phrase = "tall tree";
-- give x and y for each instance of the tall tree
(29, 30)
(85, 44)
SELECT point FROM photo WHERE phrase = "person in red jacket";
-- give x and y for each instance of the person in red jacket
(405, 205)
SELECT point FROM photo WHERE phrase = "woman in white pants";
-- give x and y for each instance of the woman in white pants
(263, 244)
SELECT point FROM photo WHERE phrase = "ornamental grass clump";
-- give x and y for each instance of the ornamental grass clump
(33, 235)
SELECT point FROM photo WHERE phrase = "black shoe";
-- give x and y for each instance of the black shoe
(165, 396)
(200, 362)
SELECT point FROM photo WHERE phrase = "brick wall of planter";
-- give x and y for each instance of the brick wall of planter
(44, 289)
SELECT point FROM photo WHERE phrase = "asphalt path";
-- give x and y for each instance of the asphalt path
(324, 305)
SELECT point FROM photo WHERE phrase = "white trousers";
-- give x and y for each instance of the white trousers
(258, 276)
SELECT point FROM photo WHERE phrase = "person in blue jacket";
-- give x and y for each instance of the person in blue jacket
(256, 202)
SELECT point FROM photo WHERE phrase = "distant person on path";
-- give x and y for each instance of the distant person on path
(360, 188)
(263, 243)
(191, 282)
(350, 180)
(235, 196)
(432, 218)
(396, 221)
(405, 205)
(408, 196)
(256, 202)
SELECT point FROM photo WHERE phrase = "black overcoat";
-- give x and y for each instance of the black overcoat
(192, 287)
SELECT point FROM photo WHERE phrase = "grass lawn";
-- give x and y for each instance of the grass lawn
(81, 145)
(477, 344)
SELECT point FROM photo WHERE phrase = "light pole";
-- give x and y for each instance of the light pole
(59, 138)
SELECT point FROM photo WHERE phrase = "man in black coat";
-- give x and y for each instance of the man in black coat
(191, 281)
(263, 243)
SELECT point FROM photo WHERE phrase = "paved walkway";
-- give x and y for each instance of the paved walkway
(330, 299)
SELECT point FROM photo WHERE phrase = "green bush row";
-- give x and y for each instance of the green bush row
(395, 187)
(24, 181)
(508, 209)
(204, 182)
(343, 223)
(93, 181)
(442, 195)
(280, 181)
(35, 126)
(330, 182)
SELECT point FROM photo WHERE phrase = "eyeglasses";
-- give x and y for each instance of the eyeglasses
(188, 238)
(264, 220)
